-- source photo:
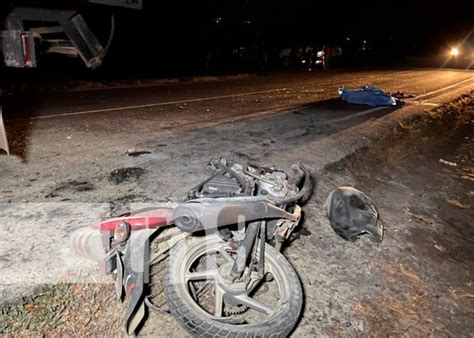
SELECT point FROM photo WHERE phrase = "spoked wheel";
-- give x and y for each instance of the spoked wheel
(207, 303)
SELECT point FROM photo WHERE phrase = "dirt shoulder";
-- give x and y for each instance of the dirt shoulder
(419, 280)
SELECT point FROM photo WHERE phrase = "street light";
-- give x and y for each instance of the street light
(454, 52)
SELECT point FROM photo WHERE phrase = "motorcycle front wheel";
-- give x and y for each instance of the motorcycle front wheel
(206, 303)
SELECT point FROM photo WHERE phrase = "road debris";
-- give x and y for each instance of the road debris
(451, 164)
(458, 294)
(126, 174)
(135, 153)
(468, 177)
(455, 203)
(401, 95)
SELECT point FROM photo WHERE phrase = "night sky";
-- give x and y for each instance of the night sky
(287, 21)
(175, 37)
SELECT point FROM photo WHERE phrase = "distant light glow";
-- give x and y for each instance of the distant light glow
(454, 51)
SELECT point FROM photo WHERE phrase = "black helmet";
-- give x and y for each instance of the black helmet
(352, 213)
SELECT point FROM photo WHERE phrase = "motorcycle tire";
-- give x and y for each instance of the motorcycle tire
(200, 323)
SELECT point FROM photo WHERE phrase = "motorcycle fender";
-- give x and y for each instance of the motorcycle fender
(135, 275)
(135, 311)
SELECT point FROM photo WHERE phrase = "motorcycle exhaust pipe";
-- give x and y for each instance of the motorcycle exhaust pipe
(196, 216)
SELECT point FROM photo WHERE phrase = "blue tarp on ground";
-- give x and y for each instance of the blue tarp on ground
(371, 96)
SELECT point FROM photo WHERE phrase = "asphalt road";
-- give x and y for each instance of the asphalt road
(275, 91)
(68, 135)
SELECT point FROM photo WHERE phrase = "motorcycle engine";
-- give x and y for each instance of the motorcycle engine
(221, 186)
(230, 180)
(274, 184)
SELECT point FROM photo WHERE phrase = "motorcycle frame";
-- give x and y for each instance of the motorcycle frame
(130, 258)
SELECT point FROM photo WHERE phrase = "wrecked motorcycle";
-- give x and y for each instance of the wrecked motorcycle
(213, 261)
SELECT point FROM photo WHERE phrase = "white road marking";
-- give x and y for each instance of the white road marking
(167, 103)
(444, 88)
(157, 104)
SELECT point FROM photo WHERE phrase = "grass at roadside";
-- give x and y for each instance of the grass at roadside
(65, 309)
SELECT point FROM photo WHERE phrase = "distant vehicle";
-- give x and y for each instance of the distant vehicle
(320, 57)
(461, 54)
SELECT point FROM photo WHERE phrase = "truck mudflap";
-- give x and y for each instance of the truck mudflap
(3, 135)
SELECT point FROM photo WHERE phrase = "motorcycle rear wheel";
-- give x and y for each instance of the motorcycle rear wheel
(276, 318)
